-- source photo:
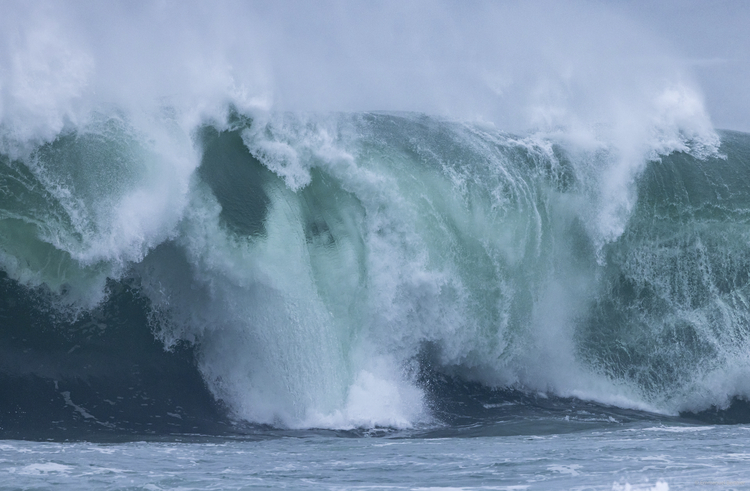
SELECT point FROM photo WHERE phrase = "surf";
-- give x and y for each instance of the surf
(550, 228)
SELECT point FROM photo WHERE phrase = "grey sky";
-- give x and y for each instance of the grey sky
(517, 64)
(714, 38)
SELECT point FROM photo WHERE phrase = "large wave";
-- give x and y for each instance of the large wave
(317, 261)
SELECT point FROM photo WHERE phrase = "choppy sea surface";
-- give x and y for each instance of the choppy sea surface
(617, 457)
(201, 288)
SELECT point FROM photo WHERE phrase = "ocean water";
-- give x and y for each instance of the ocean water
(614, 458)
(208, 284)
(607, 456)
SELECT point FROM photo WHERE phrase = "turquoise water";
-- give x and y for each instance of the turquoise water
(348, 271)
(385, 245)
(373, 301)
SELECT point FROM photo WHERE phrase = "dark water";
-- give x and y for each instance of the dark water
(351, 301)
(466, 279)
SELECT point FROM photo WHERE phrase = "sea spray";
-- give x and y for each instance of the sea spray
(316, 261)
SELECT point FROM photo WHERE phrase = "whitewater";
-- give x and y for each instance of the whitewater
(347, 245)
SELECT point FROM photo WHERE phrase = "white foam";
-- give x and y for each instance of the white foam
(660, 485)
(279, 340)
(45, 468)
(679, 429)
(379, 397)
(59, 62)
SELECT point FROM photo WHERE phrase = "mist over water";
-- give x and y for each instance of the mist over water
(327, 201)
(539, 65)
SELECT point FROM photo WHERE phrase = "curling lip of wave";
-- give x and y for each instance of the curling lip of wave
(316, 261)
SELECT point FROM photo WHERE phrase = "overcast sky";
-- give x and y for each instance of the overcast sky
(714, 37)
(517, 64)
(482, 58)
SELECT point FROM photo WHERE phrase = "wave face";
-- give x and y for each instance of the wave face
(315, 266)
